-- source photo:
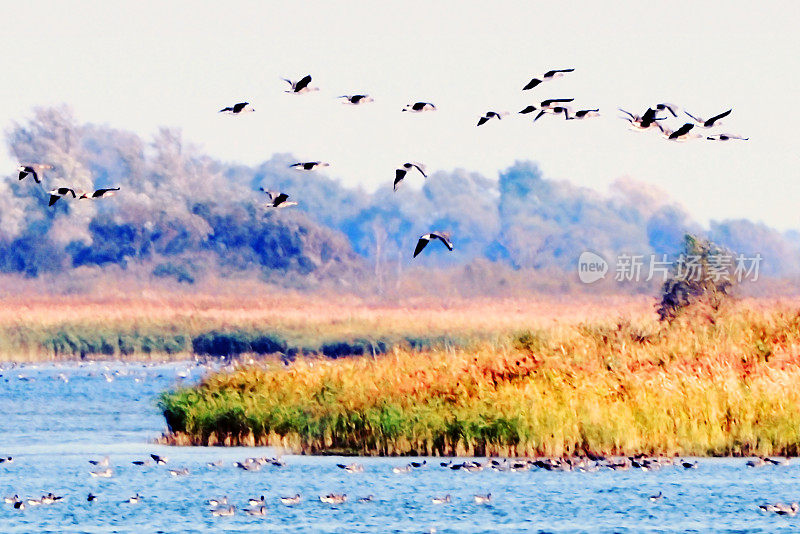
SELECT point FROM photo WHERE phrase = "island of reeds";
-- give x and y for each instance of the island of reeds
(703, 384)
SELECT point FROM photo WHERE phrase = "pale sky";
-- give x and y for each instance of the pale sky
(145, 64)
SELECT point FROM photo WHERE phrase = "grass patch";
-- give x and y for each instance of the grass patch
(726, 387)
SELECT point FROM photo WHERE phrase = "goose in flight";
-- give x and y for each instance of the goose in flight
(100, 193)
(301, 86)
(491, 115)
(278, 199)
(672, 108)
(549, 103)
(356, 100)
(308, 165)
(584, 114)
(59, 192)
(33, 169)
(425, 238)
(681, 134)
(419, 107)
(547, 76)
(726, 137)
(645, 122)
(401, 172)
(709, 123)
(554, 110)
(236, 109)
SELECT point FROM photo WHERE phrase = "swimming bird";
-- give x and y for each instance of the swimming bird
(308, 165)
(279, 200)
(105, 473)
(19, 505)
(400, 470)
(402, 171)
(780, 508)
(655, 498)
(419, 107)
(368, 498)
(134, 499)
(179, 472)
(584, 114)
(6, 460)
(100, 463)
(491, 115)
(547, 76)
(726, 137)
(33, 169)
(218, 502)
(99, 193)
(59, 192)
(351, 468)
(241, 107)
(218, 463)
(223, 511)
(260, 510)
(91, 497)
(291, 500)
(256, 502)
(441, 500)
(482, 499)
(417, 465)
(301, 86)
(709, 123)
(425, 238)
(159, 460)
(758, 462)
(12, 499)
(688, 465)
(141, 462)
(356, 100)
(333, 498)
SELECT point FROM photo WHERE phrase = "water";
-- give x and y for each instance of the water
(52, 428)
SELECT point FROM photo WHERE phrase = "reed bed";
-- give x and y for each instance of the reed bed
(173, 325)
(726, 386)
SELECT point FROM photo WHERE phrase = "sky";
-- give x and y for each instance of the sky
(147, 64)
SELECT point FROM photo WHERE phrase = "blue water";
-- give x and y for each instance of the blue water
(52, 428)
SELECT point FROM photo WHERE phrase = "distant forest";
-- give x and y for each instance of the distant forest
(182, 214)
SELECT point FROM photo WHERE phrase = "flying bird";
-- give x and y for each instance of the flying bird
(491, 115)
(555, 110)
(100, 193)
(681, 134)
(356, 100)
(59, 192)
(646, 121)
(278, 199)
(425, 238)
(547, 76)
(33, 169)
(672, 108)
(401, 172)
(550, 101)
(709, 123)
(241, 107)
(309, 165)
(584, 114)
(301, 86)
(528, 109)
(419, 107)
(726, 137)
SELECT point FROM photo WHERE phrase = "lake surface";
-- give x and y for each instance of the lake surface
(52, 425)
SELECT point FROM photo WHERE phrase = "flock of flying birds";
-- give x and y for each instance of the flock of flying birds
(650, 119)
